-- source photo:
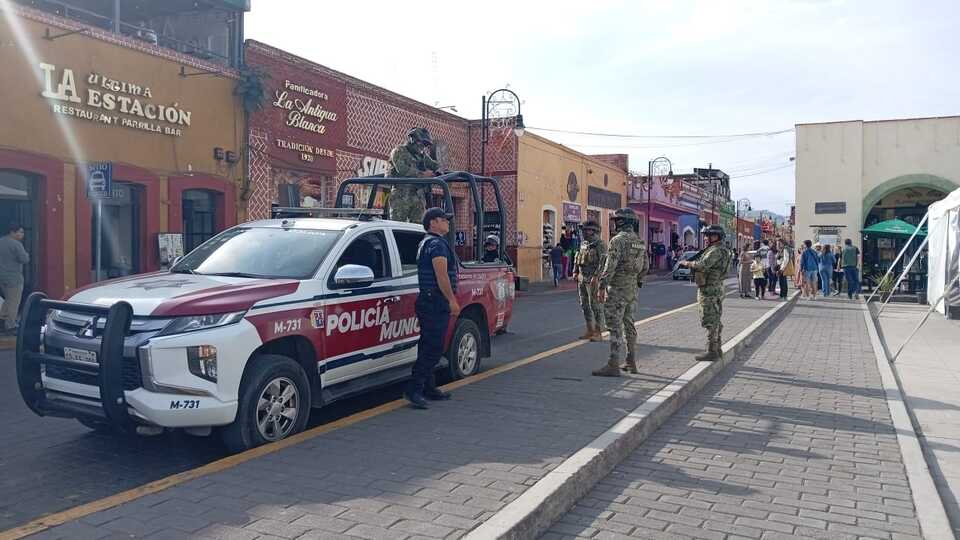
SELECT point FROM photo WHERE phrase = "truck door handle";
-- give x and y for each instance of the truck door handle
(392, 300)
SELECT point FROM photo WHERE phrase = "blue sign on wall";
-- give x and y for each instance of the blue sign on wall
(461, 238)
(99, 180)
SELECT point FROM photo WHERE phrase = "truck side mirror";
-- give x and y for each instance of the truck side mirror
(353, 275)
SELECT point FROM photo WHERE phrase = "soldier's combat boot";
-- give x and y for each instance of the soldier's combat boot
(631, 366)
(597, 334)
(612, 369)
(710, 355)
(591, 330)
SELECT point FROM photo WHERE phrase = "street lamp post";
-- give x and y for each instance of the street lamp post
(484, 124)
(650, 165)
(737, 224)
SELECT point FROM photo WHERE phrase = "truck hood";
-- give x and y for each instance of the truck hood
(176, 295)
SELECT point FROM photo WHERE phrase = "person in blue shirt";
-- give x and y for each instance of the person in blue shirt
(809, 267)
(556, 261)
(436, 305)
(827, 262)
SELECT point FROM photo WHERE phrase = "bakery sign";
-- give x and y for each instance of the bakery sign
(305, 107)
(109, 101)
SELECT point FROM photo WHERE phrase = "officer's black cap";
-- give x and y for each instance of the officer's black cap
(434, 213)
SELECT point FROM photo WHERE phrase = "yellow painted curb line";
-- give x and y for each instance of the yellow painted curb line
(53, 520)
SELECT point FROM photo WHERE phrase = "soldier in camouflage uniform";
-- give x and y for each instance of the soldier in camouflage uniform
(586, 267)
(411, 160)
(622, 275)
(709, 268)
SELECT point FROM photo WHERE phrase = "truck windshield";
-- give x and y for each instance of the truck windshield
(260, 253)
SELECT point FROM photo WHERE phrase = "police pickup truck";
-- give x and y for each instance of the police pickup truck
(261, 323)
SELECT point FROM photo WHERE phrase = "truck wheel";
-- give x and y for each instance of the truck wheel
(274, 403)
(464, 353)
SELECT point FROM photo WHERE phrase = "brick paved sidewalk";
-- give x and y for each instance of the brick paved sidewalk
(794, 441)
(417, 474)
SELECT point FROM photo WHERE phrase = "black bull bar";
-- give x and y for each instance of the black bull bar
(109, 369)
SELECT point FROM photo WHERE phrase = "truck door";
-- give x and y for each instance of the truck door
(366, 328)
(408, 244)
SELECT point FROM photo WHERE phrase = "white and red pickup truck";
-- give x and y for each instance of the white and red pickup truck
(255, 327)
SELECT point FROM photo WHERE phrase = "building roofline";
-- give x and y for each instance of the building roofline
(880, 121)
(586, 157)
(350, 80)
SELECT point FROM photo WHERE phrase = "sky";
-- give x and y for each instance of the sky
(652, 69)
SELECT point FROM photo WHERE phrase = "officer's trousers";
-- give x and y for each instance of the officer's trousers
(433, 312)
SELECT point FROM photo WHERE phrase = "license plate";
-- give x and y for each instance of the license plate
(79, 355)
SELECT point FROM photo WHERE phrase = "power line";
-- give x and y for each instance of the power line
(763, 172)
(631, 136)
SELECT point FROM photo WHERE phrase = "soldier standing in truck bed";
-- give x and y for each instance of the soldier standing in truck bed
(411, 160)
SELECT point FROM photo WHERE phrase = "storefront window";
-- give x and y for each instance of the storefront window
(17, 206)
(119, 240)
(199, 217)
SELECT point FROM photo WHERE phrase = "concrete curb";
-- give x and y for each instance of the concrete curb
(531, 514)
(934, 523)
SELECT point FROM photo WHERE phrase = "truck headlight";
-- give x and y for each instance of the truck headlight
(194, 323)
(202, 361)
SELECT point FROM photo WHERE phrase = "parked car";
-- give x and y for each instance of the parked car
(680, 272)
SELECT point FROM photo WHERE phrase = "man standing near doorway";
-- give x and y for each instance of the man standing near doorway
(12, 258)
(850, 259)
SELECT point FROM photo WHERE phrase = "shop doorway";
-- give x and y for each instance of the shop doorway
(199, 208)
(120, 237)
(907, 204)
(18, 195)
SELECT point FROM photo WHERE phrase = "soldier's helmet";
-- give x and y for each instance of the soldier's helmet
(625, 215)
(591, 226)
(714, 230)
(492, 239)
(420, 136)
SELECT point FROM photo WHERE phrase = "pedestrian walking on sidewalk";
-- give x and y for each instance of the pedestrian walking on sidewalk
(837, 273)
(850, 260)
(620, 279)
(12, 258)
(708, 272)
(557, 262)
(759, 277)
(436, 305)
(827, 263)
(586, 269)
(785, 267)
(809, 265)
(745, 275)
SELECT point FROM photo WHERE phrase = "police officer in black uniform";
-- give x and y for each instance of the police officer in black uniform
(436, 306)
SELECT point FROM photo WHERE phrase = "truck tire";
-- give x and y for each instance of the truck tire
(274, 403)
(464, 353)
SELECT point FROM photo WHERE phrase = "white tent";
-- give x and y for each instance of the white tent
(943, 238)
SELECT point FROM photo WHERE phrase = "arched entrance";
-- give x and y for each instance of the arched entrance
(904, 198)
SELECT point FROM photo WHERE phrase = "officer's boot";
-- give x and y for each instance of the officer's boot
(713, 349)
(631, 366)
(612, 369)
(432, 392)
(597, 333)
(414, 394)
(591, 330)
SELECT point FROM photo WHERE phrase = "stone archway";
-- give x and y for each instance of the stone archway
(905, 181)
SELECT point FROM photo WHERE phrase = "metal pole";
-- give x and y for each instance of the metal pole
(649, 205)
(483, 135)
(116, 16)
(99, 236)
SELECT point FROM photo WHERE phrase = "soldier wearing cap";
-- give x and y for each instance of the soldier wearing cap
(411, 160)
(436, 305)
(586, 270)
(620, 278)
(709, 268)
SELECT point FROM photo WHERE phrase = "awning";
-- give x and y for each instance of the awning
(893, 227)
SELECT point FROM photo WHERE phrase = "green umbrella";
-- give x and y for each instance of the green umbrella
(894, 227)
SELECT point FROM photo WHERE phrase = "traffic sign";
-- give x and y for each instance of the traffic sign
(99, 180)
